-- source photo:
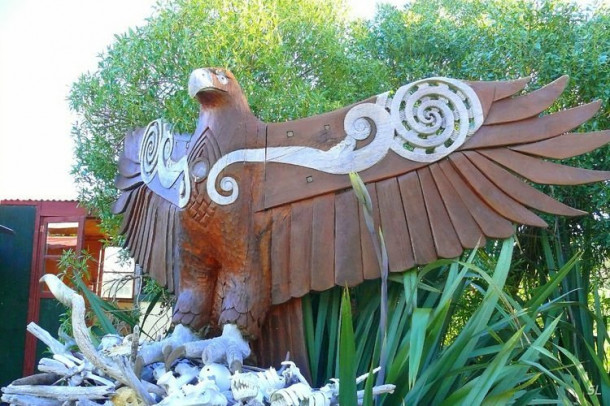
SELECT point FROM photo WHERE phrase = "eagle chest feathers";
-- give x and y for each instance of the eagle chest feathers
(243, 217)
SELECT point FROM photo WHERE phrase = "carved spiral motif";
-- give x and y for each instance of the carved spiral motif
(358, 127)
(149, 150)
(433, 117)
(156, 160)
(425, 121)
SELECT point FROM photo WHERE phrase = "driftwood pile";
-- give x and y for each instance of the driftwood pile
(179, 370)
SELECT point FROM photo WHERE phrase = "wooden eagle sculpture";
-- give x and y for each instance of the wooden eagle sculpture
(243, 218)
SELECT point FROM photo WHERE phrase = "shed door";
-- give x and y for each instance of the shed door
(15, 271)
(59, 234)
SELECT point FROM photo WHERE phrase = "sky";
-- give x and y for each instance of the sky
(44, 47)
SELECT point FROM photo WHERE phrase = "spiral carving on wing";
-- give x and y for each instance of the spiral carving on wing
(424, 121)
(149, 150)
(433, 117)
(156, 161)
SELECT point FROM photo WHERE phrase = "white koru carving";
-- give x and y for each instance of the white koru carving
(343, 158)
(155, 159)
(433, 117)
(424, 121)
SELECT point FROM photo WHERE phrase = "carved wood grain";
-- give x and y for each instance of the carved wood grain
(348, 257)
(323, 243)
(417, 219)
(491, 223)
(280, 255)
(493, 196)
(370, 264)
(445, 238)
(531, 130)
(284, 335)
(567, 145)
(394, 226)
(526, 106)
(171, 267)
(466, 227)
(544, 172)
(518, 189)
(300, 248)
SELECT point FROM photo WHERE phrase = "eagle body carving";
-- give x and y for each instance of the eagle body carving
(245, 217)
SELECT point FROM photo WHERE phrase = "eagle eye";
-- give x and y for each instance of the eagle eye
(222, 78)
(199, 169)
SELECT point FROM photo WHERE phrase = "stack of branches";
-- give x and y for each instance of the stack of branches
(178, 370)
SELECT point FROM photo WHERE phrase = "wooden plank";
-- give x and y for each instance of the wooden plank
(394, 226)
(280, 255)
(518, 189)
(567, 145)
(300, 247)
(323, 243)
(468, 232)
(529, 105)
(544, 172)
(288, 183)
(485, 92)
(321, 131)
(148, 240)
(158, 265)
(132, 143)
(128, 168)
(491, 223)
(532, 129)
(121, 204)
(493, 196)
(285, 324)
(501, 88)
(417, 219)
(370, 264)
(348, 257)
(446, 241)
(142, 229)
(131, 215)
(173, 277)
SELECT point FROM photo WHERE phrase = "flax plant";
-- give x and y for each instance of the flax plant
(506, 351)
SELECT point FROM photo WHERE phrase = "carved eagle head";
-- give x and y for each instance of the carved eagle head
(214, 88)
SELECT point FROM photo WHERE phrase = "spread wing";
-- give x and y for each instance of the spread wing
(427, 210)
(149, 209)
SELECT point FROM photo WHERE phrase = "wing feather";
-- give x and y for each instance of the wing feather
(300, 247)
(394, 225)
(532, 129)
(370, 264)
(492, 195)
(323, 243)
(466, 227)
(527, 106)
(566, 145)
(128, 168)
(518, 189)
(348, 259)
(417, 218)
(491, 223)
(148, 219)
(280, 255)
(543, 172)
(446, 240)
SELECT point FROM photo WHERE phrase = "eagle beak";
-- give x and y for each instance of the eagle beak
(200, 80)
